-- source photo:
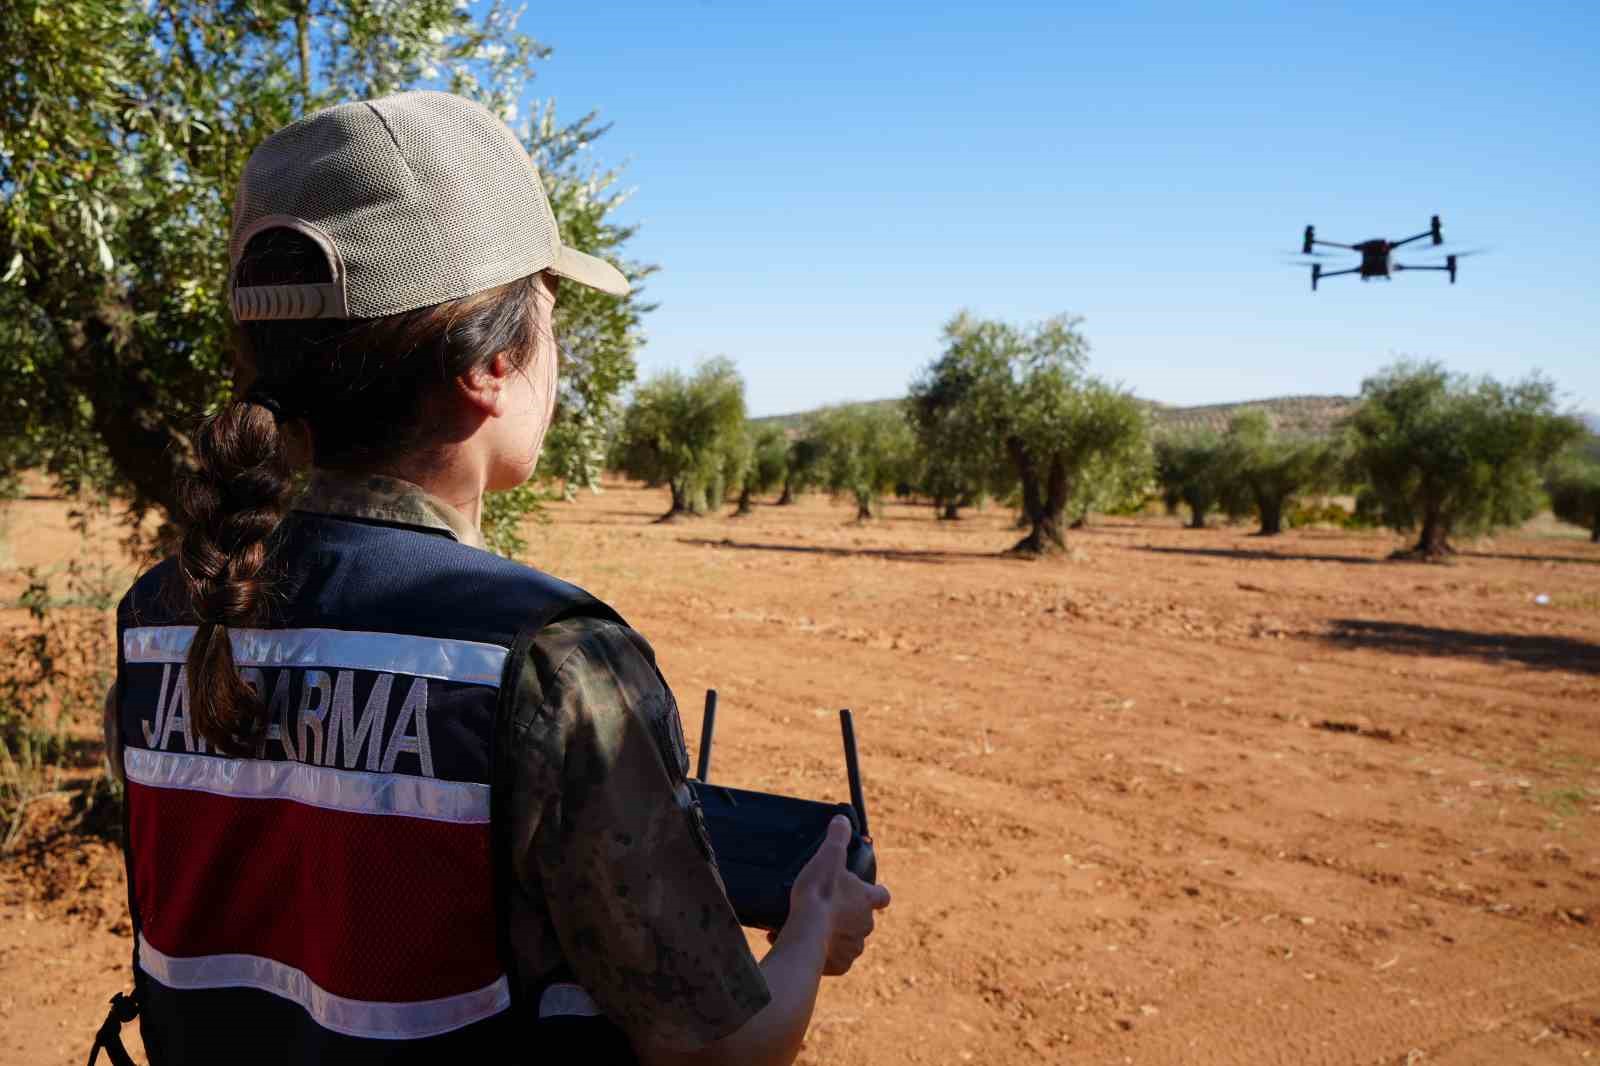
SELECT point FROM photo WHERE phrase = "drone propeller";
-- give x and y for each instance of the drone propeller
(1423, 247)
(1438, 253)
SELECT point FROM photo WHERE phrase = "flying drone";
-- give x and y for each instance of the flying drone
(1377, 256)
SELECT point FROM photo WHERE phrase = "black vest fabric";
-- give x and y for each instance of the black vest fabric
(338, 897)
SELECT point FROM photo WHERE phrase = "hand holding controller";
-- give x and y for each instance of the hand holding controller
(827, 891)
(764, 842)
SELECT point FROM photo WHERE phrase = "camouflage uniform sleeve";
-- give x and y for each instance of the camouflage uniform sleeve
(619, 853)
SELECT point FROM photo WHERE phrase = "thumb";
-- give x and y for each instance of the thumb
(829, 859)
(837, 842)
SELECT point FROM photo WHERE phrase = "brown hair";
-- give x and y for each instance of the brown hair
(360, 387)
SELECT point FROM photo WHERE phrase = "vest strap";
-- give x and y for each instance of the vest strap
(124, 1009)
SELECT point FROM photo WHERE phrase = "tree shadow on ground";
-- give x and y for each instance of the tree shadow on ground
(1250, 553)
(1110, 529)
(1543, 652)
(635, 514)
(1593, 560)
(905, 555)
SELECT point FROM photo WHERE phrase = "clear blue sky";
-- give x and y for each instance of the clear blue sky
(824, 184)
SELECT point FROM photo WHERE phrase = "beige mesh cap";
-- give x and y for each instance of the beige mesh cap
(416, 199)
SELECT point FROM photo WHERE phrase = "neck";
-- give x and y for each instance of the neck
(453, 475)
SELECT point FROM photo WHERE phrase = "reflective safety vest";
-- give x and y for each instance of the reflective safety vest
(338, 897)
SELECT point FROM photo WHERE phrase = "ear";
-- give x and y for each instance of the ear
(484, 386)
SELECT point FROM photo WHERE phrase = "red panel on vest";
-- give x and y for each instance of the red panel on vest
(371, 907)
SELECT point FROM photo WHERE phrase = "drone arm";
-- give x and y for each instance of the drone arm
(1334, 244)
(1325, 274)
(1449, 267)
(1408, 240)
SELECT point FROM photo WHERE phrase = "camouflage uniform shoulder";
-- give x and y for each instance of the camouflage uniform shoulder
(599, 642)
(587, 670)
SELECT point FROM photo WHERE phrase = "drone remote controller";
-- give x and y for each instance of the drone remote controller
(763, 840)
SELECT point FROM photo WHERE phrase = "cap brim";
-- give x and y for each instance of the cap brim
(588, 270)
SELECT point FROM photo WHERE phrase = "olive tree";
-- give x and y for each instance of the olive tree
(123, 130)
(1446, 455)
(680, 431)
(1264, 472)
(866, 450)
(1118, 477)
(1189, 468)
(1574, 488)
(768, 463)
(958, 464)
(1038, 412)
(800, 466)
(733, 458)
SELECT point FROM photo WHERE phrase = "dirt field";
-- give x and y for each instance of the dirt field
(1190, 797)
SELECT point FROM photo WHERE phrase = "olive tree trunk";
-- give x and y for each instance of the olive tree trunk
(1434, 541)
(1044, 502)
(1271, 508)
(681, 503)
(103, 356)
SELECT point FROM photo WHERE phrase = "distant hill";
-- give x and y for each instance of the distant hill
(1315, 415)
(799, 420)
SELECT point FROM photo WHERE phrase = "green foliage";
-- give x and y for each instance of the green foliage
(599, 334)
(1574, 488)
(687, 433)
(736, 455)
(766, 462)
(504, 514)
(1116, 479)
(1190, 469)
(802, 465)
(1023, 392)
(1449, 455)
(123, 129)
(865, 452)
(1325, 514)
(1264, 472)
(958, 463)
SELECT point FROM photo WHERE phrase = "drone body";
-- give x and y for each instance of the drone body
(1377, 256)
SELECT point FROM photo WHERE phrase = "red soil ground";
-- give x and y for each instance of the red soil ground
(1189, 797)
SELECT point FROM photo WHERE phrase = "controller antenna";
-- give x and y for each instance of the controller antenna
(853, 768)
(708, 725)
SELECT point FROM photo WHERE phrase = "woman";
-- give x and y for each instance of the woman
(390, 797)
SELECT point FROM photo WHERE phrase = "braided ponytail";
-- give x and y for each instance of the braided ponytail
(231, 507)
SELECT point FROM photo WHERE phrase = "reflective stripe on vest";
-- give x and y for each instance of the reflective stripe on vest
(347, 867)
